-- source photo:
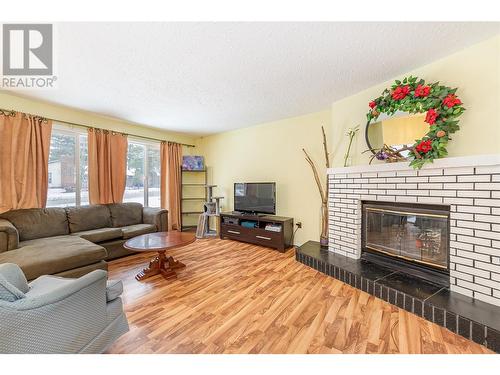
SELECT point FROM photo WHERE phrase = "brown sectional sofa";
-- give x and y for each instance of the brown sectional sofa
(73, 241)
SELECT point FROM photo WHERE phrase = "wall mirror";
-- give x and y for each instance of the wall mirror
(406, 102)
(397, 131)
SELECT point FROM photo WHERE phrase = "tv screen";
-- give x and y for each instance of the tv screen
(255, 197)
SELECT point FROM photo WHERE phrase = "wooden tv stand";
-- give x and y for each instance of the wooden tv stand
(258, 235)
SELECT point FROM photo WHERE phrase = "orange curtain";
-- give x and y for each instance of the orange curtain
(170, 187)
(24, 159)
(107, 166)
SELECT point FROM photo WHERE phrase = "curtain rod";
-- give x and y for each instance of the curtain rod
(88, 127)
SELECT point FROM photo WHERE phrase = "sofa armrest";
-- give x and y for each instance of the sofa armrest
(92, 280)
(156, 216)
(9, 236)
(114, 289)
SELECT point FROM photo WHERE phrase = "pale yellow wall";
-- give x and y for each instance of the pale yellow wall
(476, 73)
(18, 103)
(273, 152)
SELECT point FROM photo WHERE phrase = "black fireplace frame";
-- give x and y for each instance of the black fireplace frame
(414, 268)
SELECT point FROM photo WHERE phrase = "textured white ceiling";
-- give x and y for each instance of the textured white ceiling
(206, 78)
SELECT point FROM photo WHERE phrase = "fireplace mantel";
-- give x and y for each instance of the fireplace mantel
(469, 185)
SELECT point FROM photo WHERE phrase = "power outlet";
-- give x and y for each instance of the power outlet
(299, 224)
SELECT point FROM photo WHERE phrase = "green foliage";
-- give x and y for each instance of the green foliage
(447, 120)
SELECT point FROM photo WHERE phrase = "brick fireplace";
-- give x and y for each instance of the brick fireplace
(467, 189)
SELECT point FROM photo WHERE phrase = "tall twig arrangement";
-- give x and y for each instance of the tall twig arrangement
(351, 134)
(323, 190)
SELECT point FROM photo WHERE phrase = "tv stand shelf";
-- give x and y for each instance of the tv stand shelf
(231, 227)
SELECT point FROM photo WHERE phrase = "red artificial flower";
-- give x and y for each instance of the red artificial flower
(451, 101)
(400, 92)
(431, 116)
(372, 104)
(424, 146)
(422, 91)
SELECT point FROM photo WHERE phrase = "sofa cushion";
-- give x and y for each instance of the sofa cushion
(100, 235)
(33, 223)
(115, 249)
(80, 271)
(137, 229)
(45, 256)
(88, 217)
(123, 214)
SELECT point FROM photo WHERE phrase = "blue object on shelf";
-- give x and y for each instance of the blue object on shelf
(249, 224)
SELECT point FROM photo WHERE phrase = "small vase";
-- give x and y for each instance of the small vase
(323, 238)
(323, 242)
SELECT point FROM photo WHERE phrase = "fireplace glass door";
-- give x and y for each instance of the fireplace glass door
(415, 234)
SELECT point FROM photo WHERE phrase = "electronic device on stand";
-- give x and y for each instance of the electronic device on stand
(253, 219)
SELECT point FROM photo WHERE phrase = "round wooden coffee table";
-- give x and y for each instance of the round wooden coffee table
(160, 242)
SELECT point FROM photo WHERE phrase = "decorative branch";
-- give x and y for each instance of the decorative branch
(323, 192)
(325, 148)
(316, 176)
(389, 154)
(351, 134)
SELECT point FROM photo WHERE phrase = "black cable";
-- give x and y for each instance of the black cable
(293, 234)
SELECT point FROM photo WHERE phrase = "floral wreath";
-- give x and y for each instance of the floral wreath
(413, 95)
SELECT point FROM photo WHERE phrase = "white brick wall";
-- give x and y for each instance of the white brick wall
(473, 194)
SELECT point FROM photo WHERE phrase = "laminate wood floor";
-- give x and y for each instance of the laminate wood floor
(239, 298)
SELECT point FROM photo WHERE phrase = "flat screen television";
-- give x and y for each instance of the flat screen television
(255, 197)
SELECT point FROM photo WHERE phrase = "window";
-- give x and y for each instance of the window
(134, 190)
(153, 177)
(84, 170)
(67, 168)
(143, 174)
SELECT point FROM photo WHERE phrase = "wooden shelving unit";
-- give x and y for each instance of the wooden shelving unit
(193, 196)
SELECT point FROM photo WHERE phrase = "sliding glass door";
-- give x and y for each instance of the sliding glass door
(143, 174)
(68, 170)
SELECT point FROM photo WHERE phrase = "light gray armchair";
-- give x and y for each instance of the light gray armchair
(58, 315)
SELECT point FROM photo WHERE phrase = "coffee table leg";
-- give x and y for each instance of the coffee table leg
(152, 270)
(174, 264)
(160, 265)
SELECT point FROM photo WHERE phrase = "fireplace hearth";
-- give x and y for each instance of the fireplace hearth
(412, 238)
